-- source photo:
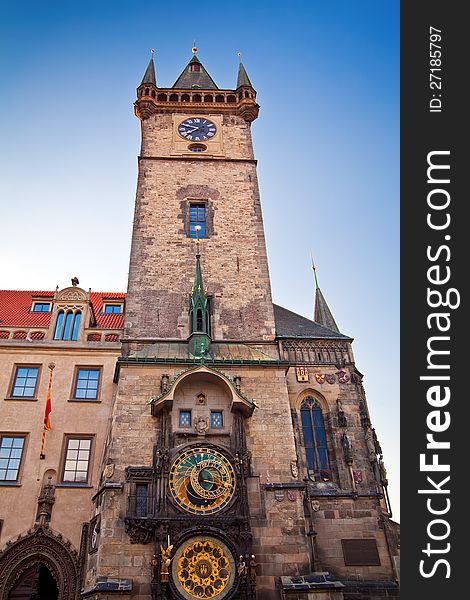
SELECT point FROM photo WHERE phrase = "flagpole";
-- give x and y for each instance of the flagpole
(47, 422)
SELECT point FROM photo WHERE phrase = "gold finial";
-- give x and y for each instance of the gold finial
(152, 51)
(198, 241)
(194, 48)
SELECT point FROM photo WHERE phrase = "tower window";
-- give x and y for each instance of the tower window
(195, 68)
(216, 419)
(185, 418)
(197, 216)
(313, 427)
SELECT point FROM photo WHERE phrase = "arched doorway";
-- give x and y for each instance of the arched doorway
(40, 565)
(36, 583)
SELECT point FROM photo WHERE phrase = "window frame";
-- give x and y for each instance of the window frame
(14, 376)
(218, 412)
(41, 303)
(315, 474)
(24, 436)
(70, 326)
(65, 447)
(185, 410)
(116, 304)
(73, 391)
(194, 203)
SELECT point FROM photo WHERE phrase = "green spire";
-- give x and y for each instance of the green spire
(322, 313)
(243, 78)
(149, 76)
(199, 315)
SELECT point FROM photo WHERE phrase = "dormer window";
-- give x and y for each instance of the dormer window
(41, 307)
(195, 68)
(67, 325)
(112, 308)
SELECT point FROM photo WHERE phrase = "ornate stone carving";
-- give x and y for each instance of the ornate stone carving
(139, 530)
(46, 502)
(201, 425)
(41, 545)
(70, 294)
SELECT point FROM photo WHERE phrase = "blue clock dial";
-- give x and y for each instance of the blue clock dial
(197, 129)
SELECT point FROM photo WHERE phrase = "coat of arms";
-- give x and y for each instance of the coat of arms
(330, 378)
(301, 374)
(320, 378)
(343, 377)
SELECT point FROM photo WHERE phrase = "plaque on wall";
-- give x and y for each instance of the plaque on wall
(360, 553)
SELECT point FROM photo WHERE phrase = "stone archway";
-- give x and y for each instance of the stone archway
(40, 547)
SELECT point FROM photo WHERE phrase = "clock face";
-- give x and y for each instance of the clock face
(197, 129)
(202, 481)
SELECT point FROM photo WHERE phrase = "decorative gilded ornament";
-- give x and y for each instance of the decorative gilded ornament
(320, 378)
(202, 480)
(202, 568)
(301, 374)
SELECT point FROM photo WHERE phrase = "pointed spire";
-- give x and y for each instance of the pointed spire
(322, 314)
(243, 78)
(194, 76)
(149, 76)
(199, 314)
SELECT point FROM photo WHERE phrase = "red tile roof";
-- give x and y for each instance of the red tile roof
(15, 309)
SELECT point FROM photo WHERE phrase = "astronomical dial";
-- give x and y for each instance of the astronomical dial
(197, 129)
(202, 481)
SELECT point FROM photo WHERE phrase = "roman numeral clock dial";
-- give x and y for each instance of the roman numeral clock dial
(202, 481)
(197, 129)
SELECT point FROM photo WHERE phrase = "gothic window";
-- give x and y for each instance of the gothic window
(67, 325)
(11, 451)
(197, 216)
(86, 384)
(313, 427)
(25, 382)
(77, 460)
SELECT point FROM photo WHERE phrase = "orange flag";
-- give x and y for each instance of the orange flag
(47, 418)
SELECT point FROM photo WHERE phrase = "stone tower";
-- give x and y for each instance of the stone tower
(240, 460)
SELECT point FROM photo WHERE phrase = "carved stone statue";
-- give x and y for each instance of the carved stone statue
(242, 569)
(347, 448)
(342, 420)
(371, 445)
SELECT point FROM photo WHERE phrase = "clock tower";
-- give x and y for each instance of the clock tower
(240, 460)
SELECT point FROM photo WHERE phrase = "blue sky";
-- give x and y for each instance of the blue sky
(327, 141)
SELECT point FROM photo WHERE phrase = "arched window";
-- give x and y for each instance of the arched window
(67, 325)
(76, 325)
(58, 325)
(313, 427)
